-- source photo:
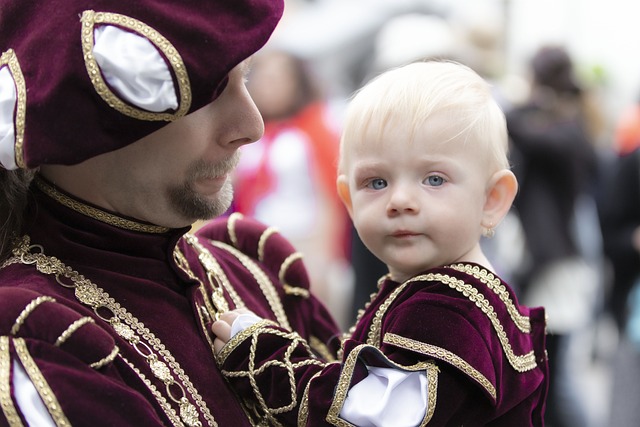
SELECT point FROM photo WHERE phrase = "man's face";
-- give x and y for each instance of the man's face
(181, 173)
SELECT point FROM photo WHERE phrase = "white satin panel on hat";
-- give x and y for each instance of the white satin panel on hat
(387, 397)
(134, 69)
(8, 101)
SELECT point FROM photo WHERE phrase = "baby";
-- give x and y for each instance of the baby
(424, 174)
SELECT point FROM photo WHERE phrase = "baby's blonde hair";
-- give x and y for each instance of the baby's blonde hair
(412, 93)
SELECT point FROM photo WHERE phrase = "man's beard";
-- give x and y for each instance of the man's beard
(193, 206)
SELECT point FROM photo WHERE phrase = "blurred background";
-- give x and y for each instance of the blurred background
(567, 75)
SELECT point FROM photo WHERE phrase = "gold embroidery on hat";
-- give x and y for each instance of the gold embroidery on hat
(10, 59)
(89, 20)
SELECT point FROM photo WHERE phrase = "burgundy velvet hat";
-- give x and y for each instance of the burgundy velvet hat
(80, 78)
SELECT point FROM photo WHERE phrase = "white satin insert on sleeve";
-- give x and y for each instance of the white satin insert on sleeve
(387, 397)
(29, 401)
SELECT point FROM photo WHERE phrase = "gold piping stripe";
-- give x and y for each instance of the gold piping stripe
(444, 355)
(89, 20)
(522, 322)
(212, 266)
(95, 213)
(106, 360)
(263, 241)
(321, 348)
(266, 286)
(41, 385)
(286, 264)
(27, 311)
(64, 336)
(432, 392)
(231, 227)
(303, 412)
(8, 408)
(299, 292)
(11, 60)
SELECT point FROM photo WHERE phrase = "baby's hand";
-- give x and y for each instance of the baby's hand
(222, 327)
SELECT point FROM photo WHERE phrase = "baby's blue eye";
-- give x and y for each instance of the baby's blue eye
(378, 183)
(435, 180)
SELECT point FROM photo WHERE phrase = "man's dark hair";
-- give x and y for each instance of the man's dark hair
(14, 187)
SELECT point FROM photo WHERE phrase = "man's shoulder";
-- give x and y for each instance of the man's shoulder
(262, 244)
(43, 321)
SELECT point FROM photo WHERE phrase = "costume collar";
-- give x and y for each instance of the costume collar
(93, 212)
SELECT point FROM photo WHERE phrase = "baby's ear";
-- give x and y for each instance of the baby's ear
(342, 184)
(501, 191)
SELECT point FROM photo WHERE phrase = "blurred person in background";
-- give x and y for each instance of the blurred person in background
(287, 178)
(620, 218)
(555, 161)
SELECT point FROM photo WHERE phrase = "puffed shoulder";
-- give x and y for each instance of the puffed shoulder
(32, 316)
(264, 244)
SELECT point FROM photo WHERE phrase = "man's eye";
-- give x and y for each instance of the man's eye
(377, 184)
(435, 180)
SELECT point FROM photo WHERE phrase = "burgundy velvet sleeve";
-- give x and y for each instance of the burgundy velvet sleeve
(285, 381)
(277, 256)
(76, 371)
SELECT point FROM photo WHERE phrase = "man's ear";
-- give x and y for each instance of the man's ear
(501, 192)
(344, 193)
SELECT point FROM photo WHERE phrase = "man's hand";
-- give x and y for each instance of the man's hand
(222, 327)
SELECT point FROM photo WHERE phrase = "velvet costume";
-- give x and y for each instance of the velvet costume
(86, 372)
(483, 354)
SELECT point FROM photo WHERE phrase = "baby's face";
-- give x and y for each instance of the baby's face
(418, 204)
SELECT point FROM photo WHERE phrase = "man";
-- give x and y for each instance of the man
(119, 125)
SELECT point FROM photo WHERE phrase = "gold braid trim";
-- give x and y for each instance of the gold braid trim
(321, 348)
(89, 20)
(303, 412)
(11, 60)
(522, 322)
(27, 311)
(95, 213)
(286, 264)
(266, 286)
(64, 336)
(106, 360)
(8, 408)
(263, 241)
(41, 385)
(231, 227)
(521, 363)
(123, 323)
(253, 334)
(296, 291)
(166, 407)
(444, 355)
(342, 389)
